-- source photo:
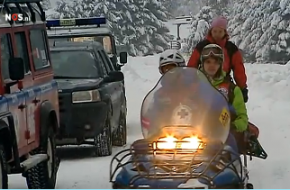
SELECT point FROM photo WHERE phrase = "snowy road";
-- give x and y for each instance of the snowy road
(269, 108)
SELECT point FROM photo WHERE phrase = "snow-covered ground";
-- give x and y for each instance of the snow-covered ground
(268, 107)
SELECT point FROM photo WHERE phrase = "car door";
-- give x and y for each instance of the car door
(43, 87)
(22, 51)
(15, 97)
(112, 87)
(119, 86)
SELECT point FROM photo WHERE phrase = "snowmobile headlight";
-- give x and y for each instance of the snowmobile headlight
(167, 143)
(191, 143)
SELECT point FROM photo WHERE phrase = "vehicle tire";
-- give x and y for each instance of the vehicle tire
(103, 141)
(3, 169)
(249, 186)
(43, 175)
(120, 135)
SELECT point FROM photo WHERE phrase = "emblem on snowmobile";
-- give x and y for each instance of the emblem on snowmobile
(225, 117)
(181, 115)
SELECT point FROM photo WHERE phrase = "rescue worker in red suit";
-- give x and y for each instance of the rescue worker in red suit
(218, 34)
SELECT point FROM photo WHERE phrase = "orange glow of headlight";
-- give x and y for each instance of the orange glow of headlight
(171, 142)
(191, 143)
(167, 143)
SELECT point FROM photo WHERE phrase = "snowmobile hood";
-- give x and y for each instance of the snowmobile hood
(70, 85)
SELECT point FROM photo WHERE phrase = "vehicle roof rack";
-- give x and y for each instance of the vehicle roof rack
(29, 3)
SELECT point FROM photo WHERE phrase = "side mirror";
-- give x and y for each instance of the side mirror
(123, 58)
(16, 68)
(115, 76)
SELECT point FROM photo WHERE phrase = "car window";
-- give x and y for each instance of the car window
(6, 53)
(101, 63)
(74, 64)
(22, 51)
(108, 61)
(39, 49)
(104, 62)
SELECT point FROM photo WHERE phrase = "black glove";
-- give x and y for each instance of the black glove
(245, 95)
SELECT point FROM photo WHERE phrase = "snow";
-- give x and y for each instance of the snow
(268, 108)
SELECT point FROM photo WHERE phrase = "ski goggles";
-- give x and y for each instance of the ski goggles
(212, 52)
(166, 67)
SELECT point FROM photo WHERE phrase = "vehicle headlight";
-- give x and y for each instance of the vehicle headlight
(167, 143)
(173, 143)
(86, 96)
(190, 143)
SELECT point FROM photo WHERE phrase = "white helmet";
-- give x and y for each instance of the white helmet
(171, 56)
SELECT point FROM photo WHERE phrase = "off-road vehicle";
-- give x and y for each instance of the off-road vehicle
(85, 29)
(91, 96)
(29, 100)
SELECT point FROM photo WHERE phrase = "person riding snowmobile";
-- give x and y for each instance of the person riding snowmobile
(168, 60)
(233, 60)
(212, 58)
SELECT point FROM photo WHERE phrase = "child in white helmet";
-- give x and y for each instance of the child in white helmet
(169, 59)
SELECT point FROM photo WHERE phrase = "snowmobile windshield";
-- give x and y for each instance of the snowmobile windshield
(184, 104)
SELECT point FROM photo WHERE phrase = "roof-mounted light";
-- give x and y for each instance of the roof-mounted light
(76, 22)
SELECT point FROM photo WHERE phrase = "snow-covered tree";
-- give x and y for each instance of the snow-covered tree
(219, 7)
(129, 25)
(136, 24)
(63, 9)
(182, 7)
(46, 4)
(261, 29)
(275, 41)
(200, 26)
(245, 27)
(156, 36)
(237, 18)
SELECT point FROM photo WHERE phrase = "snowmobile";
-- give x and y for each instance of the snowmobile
(185, 122)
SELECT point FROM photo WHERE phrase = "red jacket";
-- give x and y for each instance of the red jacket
(237, 60)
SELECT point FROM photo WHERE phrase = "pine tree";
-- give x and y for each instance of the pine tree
(156, 35)
(200, 26)
(275, 41)
(219, 7)
(46, 4)
(130, 26)
(261, 29)
(182, 7)
(63, 9)
(251, 29)
(237, 18)
(136, 24)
